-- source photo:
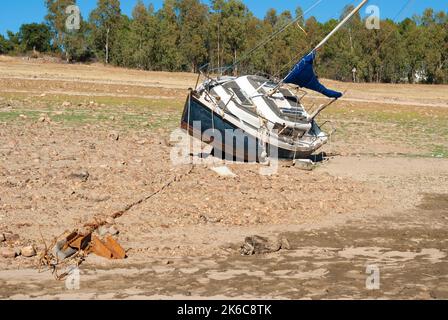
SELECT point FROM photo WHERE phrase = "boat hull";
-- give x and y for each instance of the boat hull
(210, 127)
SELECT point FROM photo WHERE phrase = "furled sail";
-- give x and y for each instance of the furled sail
(303, 75)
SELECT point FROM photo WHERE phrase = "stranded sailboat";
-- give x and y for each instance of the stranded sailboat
(251, 117)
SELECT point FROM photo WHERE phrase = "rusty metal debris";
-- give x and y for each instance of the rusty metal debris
(71, 249)
(109, 248)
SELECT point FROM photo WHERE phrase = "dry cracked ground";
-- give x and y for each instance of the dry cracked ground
(78, 143)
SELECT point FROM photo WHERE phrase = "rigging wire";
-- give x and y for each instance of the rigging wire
(299, 55)
(405, 6)
(395, 18)
(272, 36)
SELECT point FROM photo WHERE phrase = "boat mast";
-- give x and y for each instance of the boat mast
(341, 24)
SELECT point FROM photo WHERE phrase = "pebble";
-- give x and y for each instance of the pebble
(113, 231)
(11, 237)
(82, 175)
(2, 237)
(114, 136)
(8, 253)
(102, 231)
(110, 220)
(66, 104)
(28, 251)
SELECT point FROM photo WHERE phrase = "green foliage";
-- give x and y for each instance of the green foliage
(34, 36)
(105, 26)
(73, 43)
(5, 45)
(186, 34)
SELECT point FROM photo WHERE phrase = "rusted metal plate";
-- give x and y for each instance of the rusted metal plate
(116, 248)
(80, 242)
(109, 249)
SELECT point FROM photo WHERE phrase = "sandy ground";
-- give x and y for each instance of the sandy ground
(381, 199)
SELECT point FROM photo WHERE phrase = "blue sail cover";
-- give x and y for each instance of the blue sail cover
(303, 75)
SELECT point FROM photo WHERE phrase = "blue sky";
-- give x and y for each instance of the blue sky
(13, 13)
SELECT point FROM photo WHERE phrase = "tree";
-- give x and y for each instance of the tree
(192, 22)
(234, 20)
(72, 43)
(35, 36)
(168, 55)
(105, 25)
(5, 45)
(143, 37)
(56, 18)
(76, 45)
(185, 34)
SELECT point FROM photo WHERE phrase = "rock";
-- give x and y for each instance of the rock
(82, 175)
(114, 136)
(11, 237)
(110, 220)
(206, 219)
(261, 245)
(113, 231)
(306, 165)
(112, 118)
(8, 253)
(102, 231)
(66, 104)
(224, 172)
(2, 237)
(28, 251)
(141, 142)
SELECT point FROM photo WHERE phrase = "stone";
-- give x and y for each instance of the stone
(110, 220)
(224, 172)
(11, 237)
(114, 136)
(113, 231)
(2, 237)
(306, 165)
(8, 253)
(262, 245)
(28, 251)
(66, 104)
(102, 231)
(81, 175)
